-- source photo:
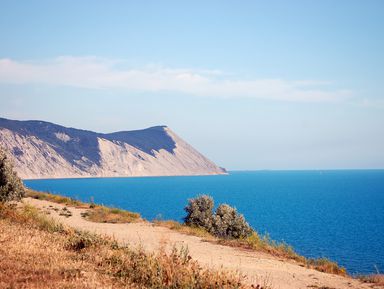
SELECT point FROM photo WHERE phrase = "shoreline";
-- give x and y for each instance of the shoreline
(124, 177)
(134, 194)
(227, 173)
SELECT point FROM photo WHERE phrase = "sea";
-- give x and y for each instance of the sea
(335, 214)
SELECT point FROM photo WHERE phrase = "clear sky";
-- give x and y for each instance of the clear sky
(250, 84)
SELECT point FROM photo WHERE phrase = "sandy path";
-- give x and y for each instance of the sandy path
(259, 267)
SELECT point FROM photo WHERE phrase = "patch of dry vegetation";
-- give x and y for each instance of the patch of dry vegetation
(188, 230)
(33, 255)
(56, 199)
(283, 250)
(377, 279)
(37, 252)
(101, 214)
(95, 213)
(264, 244)
(327, 266)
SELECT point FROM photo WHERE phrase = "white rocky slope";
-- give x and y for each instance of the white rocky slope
(44, 150)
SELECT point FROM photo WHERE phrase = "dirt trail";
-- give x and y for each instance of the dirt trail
(258, 267)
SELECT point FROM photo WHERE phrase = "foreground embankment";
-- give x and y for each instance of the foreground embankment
(259, 267)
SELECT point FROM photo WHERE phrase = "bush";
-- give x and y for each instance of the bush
(80, 240)
(199, 212)
(228, 223)
(11, 187)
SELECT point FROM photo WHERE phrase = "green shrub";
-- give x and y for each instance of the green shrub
(199, 212)
(228, 223)
(225, 223)
(11, 187)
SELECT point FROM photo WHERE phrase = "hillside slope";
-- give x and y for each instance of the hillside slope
(46, 150)
(258, 267)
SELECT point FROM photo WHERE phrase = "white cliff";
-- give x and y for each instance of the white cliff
(44, 150)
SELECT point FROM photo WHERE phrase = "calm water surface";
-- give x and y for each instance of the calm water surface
(334, 214)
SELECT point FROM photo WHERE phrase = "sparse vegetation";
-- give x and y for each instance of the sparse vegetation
(56, 199)
(31, 217)
(76, 259)
(95, 213)
(79, 240)
(264, 244)
(11, 186)
(377, 279)
(101, 214)
(188, 230)
(65, 212)
(326, 265)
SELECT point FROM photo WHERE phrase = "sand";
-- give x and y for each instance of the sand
(258, 267)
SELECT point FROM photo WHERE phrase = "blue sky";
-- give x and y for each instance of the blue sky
(251, 84)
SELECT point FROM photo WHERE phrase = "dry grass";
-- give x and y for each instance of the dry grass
(31, 217)
(33, 255)
(188, 230)
(377, 279)
(283, 250)
(95, 213)
(101, 214)
(326, 265)
(253, 242)
(261, 244)
(56, 199)
(264, 244)
(36, 252)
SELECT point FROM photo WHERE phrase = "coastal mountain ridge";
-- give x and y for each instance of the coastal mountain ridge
(42, 149)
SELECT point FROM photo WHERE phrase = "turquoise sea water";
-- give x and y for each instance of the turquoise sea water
(333, 214)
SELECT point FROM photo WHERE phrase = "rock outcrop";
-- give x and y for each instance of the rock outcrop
(45, 150)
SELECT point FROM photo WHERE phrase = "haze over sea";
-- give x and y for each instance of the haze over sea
(333, 214)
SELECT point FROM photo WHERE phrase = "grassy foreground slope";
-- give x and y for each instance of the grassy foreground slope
(102, 214)
(38, 252)
(260, 268)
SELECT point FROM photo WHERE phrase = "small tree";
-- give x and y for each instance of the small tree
(228, 223)
(199, 212)
(11, 187)
(225, 223)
